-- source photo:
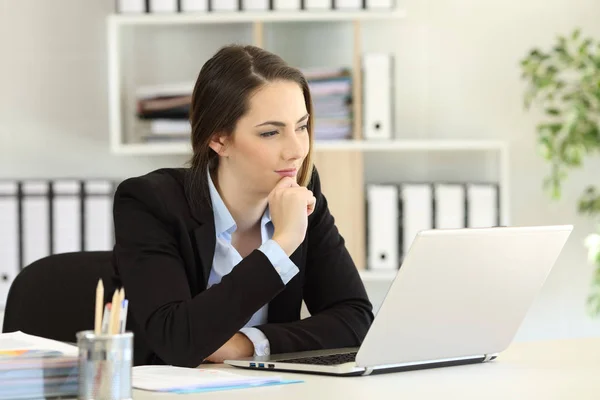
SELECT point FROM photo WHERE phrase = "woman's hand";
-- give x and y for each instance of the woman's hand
(236, 347)
(290, 205)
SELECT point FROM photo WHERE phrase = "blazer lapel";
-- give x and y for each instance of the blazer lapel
(204, 234)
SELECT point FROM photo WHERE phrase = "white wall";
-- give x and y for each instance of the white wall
(457, 70)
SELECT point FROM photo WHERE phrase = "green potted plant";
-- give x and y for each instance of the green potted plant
(564, 82)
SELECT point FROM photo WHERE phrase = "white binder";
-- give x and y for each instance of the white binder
(449, 206)
(66, 217)
(348, 4)
(377, 95)
(382, 217)
(417, 212)
(379, 4)
(9, 237)
(36, 221)
(482, 205)
(162, 6)
(255, 5)
(286, 5)
(98, 232)
(318, 4)
(131, 6)
(194, 5)
(225, 5)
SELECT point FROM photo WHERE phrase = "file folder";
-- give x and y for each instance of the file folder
(225, 5)
(194, 5)
(36, 221)
(382, 223)
(318, 4)
(417, 212)
(286, 5)
(482, 205)
(379, 4)
(162, 6)
(9, 237)
(450, 207)
(66, 217)
(377, 96)
(131, 6)
(255, 5)
(98, 225)
(348, 4)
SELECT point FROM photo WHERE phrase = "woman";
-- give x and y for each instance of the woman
(216, 259)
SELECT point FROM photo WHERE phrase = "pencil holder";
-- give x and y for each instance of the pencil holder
(105, 363)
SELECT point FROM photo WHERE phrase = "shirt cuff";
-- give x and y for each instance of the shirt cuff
(260, 341)
(282, 263)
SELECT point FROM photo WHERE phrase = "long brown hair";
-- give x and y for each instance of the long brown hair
(220, 99)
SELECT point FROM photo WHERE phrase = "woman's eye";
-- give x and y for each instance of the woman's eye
(268, 134)
(303, 128)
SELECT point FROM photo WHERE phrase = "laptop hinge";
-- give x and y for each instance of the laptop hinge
(368, 371)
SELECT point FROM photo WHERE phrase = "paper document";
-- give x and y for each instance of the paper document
(168, 379)
(22, 341)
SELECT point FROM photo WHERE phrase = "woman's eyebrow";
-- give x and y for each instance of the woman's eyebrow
(279, 123)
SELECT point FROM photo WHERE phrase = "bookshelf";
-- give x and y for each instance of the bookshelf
(345, 166)
(253, 17)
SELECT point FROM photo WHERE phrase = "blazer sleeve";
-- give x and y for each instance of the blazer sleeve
(334, 293)
(182, 330)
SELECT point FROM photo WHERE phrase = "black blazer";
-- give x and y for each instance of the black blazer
(163, 256)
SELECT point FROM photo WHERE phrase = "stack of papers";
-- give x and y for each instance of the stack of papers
(34, 367)
(187, 380)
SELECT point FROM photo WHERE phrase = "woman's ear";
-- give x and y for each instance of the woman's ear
(218, 143)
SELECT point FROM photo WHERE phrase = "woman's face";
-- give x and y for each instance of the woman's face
(271, 140)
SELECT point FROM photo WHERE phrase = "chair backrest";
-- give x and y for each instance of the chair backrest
(54, 297)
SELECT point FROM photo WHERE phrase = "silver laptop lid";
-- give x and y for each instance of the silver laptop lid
(461, 292)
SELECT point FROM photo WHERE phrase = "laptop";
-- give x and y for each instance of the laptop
(459, 297)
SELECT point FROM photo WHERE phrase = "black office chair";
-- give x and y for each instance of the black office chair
(55, 298)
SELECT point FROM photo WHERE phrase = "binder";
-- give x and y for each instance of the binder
(66, 217)
(318, 4)
(286, 5)
(450, 208)
(482, 205)
(36, 221)
(379, 4)
(255, 5)
(348, 4)
(98, 225)
(9, 237)
(131, 6)
(225, 5)
(194, 5)
(377, 95)
(162, 6)
(417, 212)
(382, 225)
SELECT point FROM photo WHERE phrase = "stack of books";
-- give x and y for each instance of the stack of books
(36, 368)
(164, 111)
(33, 374)
(331, 91)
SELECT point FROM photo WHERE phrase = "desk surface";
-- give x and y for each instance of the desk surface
(564, 369)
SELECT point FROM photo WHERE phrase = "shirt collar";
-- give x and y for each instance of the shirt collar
(224, 222)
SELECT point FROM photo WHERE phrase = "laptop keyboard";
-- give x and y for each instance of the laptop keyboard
(331, 359)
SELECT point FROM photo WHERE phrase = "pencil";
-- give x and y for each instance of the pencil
(99, 307)
(117, 314)
(113, 311)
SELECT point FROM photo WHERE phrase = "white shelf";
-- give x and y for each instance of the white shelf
(250, 17)
(335, 145)
(377, 276)
(411, 145)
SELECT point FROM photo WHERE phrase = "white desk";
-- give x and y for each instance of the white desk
(566, 369)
